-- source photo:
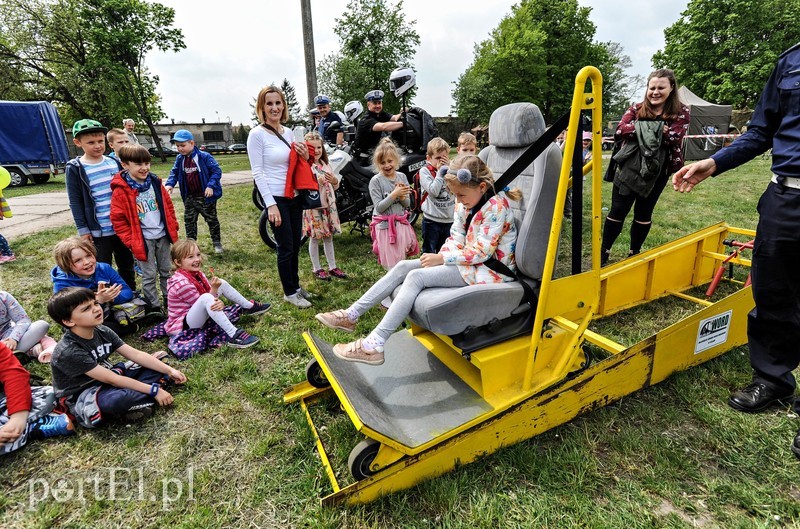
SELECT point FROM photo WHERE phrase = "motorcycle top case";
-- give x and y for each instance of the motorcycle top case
(32, 133)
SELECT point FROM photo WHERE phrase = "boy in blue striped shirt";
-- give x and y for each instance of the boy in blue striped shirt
(88, 180)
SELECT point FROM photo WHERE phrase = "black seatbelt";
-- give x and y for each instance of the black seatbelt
(516, 168)
(528, 295)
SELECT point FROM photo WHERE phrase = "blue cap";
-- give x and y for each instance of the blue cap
(322, 99)
(374, 95)
(182, 135)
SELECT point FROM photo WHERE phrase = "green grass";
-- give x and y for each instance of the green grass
(227, 162)
(673, 455)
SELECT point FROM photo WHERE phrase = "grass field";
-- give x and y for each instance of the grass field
(674, 455)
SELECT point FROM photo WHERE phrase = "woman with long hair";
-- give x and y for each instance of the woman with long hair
(661, 104)
(269, 159)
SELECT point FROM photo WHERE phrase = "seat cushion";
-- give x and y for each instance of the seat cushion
(451, 310)
(512, 129)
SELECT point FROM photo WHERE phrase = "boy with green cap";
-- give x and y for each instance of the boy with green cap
(88, 180)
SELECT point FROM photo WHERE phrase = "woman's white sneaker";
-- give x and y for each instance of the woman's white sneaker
(297, 300)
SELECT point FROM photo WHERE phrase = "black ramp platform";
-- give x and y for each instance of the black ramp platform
(412, 398)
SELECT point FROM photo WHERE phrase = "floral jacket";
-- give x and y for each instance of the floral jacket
(491, 233)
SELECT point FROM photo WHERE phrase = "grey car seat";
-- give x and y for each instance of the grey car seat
(478, 315)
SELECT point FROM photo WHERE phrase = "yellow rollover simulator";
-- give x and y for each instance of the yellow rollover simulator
(460, 384)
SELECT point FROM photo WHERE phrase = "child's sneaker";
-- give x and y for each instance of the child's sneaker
(336, 320)
(242, 340)
(218, 249)
(337, 273)
(7, 258)
(322, 275)
(297, 300)
(258, 308)
(52, 426)
(139, 414)
(357, 352)
(137, 269)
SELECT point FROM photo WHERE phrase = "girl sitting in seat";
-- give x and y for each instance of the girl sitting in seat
(460, 262)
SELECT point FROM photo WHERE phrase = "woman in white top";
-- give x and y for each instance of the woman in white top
(269, 161)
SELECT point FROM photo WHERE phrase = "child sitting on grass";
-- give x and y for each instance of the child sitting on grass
(77, 266)
(19, 333)
(85, 383)
(24, 411)
(193, 299)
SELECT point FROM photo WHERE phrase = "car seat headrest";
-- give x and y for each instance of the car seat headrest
(515, 125)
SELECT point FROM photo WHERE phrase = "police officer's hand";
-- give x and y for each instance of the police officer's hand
(690, 175)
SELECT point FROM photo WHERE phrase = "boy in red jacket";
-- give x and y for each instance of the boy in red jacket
(144, 219)
(24, 410)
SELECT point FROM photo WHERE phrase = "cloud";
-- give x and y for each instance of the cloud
(232, 52)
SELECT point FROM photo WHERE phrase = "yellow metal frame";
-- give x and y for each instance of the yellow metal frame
(544, 395)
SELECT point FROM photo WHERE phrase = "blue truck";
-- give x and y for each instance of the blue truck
(32, 141)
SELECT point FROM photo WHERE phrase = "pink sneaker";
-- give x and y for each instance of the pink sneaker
(356, 352)
(7, 258)
(322, 275)
(336, 320)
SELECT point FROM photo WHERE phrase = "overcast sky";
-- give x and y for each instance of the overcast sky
(233, 49)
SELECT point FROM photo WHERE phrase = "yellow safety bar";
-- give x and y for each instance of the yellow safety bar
(581, 100)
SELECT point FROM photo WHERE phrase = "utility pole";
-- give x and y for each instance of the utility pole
(308, 44)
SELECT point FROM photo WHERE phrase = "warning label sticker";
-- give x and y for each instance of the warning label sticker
(713, 331)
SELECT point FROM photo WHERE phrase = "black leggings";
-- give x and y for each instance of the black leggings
(288, 236)
(642, 215)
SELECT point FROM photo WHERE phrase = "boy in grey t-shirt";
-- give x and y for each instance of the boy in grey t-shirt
(93, 390)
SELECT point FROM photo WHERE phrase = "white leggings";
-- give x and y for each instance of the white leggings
(414, 279)
(313, 252)
(201, 310)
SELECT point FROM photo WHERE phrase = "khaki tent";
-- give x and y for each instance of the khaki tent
(707, 118)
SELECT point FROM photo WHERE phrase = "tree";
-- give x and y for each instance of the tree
(240, 133)
(725, 49)
(296, 114)
(88, 56)
(619, 88)
(374, 39)
(532, 55)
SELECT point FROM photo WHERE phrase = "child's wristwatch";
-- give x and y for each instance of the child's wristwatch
(154, 389)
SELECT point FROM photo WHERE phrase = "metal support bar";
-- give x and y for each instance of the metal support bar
(320, 448)
(699, 301)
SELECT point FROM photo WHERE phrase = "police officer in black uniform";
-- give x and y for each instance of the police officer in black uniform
(332, 135)
(773, 326)
(375, 122)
